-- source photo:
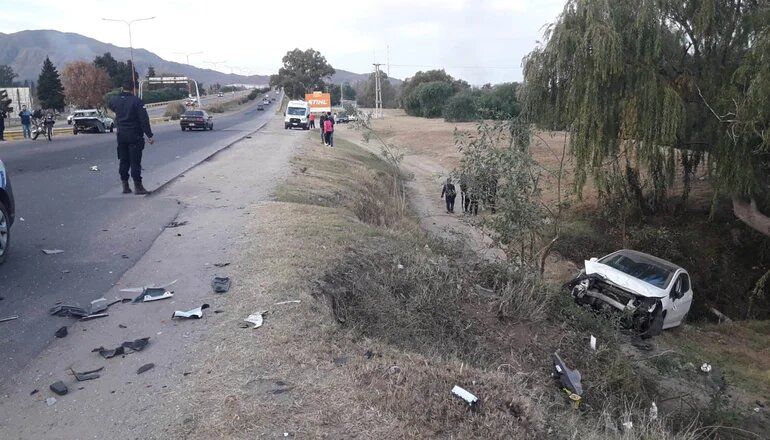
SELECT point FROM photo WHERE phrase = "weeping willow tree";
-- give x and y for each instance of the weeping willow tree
(648, 88)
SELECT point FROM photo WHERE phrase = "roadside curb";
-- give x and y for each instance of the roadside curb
(225, 147)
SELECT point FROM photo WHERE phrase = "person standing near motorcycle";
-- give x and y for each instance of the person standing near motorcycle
(133, 125)
(48, 123)
(26, 121)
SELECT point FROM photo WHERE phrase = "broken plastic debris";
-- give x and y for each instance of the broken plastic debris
(221, 264)
(153, 294)
(195, 313)
(94, 316)
(50, 401)
(98, 305)
(135, 345)
(627, 426)
(593, 342)
(59, 388)
(62, 332)
(87, 375)
(145, 367)
(68, 310)
(706, 368)
(94, 168)
(10, 318)
(256, 319)
(52, 251)
(570, 379)
(220, 284)
(142, 289)
(653, 411)
(465, 395)
(291, 301)
(175, 224)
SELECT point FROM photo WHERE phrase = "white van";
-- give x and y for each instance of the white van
(296, 115)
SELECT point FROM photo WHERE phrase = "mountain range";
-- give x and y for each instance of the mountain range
(25, 51)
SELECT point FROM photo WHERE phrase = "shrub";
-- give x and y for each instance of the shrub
(433, 96)
(461, 107)
(163, 95)
(174, 110)
(499, 102)
(411, 102)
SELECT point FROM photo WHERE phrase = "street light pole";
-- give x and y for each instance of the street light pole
(130, 44)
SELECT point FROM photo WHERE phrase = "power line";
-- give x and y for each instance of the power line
(456, 67)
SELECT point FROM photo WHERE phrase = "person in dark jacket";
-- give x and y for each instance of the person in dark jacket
(2, 125)
(448, 192)
(321, 120)
(133, 125)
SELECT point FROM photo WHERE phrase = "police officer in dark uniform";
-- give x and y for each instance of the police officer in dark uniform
(133, 125)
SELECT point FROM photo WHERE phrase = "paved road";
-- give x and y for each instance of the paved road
(65, 205)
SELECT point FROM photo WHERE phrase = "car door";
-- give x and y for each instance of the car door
(681, 300)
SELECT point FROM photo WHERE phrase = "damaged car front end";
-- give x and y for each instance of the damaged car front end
(652, 294)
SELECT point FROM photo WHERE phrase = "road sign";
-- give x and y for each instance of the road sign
(319, 102)
(168, 80)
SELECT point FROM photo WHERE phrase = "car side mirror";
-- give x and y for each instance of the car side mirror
(593, 260)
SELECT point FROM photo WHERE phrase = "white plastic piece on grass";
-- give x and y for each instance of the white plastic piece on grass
(256, 319)
(653, 411)
(400, 266)
(465, 395)
(627, 426)
(706, 367)
(593, 342)
(291, 301)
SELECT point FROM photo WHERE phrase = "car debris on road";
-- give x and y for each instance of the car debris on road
(145, 368)
(195, 313)
(135, 345)
(220, 284)
(153, 294)
(87, 375)
(570, 380)
(52, 251)
(10, 318)
(62, 332)
(59, 388)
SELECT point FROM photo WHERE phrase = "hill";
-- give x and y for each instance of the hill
(343, 76)
(25, 51)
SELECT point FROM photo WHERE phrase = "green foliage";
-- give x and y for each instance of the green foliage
(349, 92)
(650, 79)
(7, 76)
(302, 72)
(50, 92)
(163, 95)
(120, 72)
(367, 89)
(462, 107)
(151, 72)
(410, 97)
(433, 96)
(499, 101)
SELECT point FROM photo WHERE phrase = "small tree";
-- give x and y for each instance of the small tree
(433, 96)
(85, 84)
(7, 76)
(50, 92)
(462, 107)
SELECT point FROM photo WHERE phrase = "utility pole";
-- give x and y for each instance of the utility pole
(130, 43)
(388, 59)
(188, 55)
(377, 91)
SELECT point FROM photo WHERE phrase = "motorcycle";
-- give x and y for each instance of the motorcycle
(42, 125)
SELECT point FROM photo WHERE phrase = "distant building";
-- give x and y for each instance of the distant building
(19, 96)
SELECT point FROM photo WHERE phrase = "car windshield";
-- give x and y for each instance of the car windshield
(296, 111)
(641, 267)
(193, 113)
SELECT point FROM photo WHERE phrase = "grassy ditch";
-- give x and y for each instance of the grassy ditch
(433, 317)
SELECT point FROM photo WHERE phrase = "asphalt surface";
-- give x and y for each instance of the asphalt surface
(62, 204)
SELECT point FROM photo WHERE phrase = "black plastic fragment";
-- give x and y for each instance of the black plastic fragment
(220, 284)
(145, 367)
(62, 332)
(87, 375)
(59, 388)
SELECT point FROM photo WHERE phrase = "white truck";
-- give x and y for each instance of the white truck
(297, 113)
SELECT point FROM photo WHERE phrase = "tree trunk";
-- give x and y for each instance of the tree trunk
(748, 213)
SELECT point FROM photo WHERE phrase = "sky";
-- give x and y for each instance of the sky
(479, 41)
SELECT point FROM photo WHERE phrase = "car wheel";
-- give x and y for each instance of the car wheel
(5, 232)
(112, 127)
(182, 128)
(101, 128)
(74, 131)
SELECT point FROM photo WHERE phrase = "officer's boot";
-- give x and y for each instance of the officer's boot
(139, 188)
(126, 188)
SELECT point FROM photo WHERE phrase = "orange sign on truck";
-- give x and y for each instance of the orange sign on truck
(319, 102)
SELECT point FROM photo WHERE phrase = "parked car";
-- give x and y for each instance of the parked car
(654, 294)
(260, 107)
(342, 118)
(90, 120)
(196, 119)
(7, 212)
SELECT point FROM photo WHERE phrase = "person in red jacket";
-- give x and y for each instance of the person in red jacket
(312, 120)
(329, 131)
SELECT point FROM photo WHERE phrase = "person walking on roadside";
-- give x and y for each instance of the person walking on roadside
(448, 192)
(312, 120)
(133, 125)
(329, 131)
(26, 121)
(321, 120)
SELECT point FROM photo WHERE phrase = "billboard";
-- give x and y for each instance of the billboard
(319, 102)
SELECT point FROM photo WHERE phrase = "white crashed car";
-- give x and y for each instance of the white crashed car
(653, 293)
(90, 120)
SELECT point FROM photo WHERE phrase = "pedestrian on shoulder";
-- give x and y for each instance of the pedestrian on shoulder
(26, 121)
(321, 121)
(329, 131)
(449, 194)
(133, 125)
(312, 120)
